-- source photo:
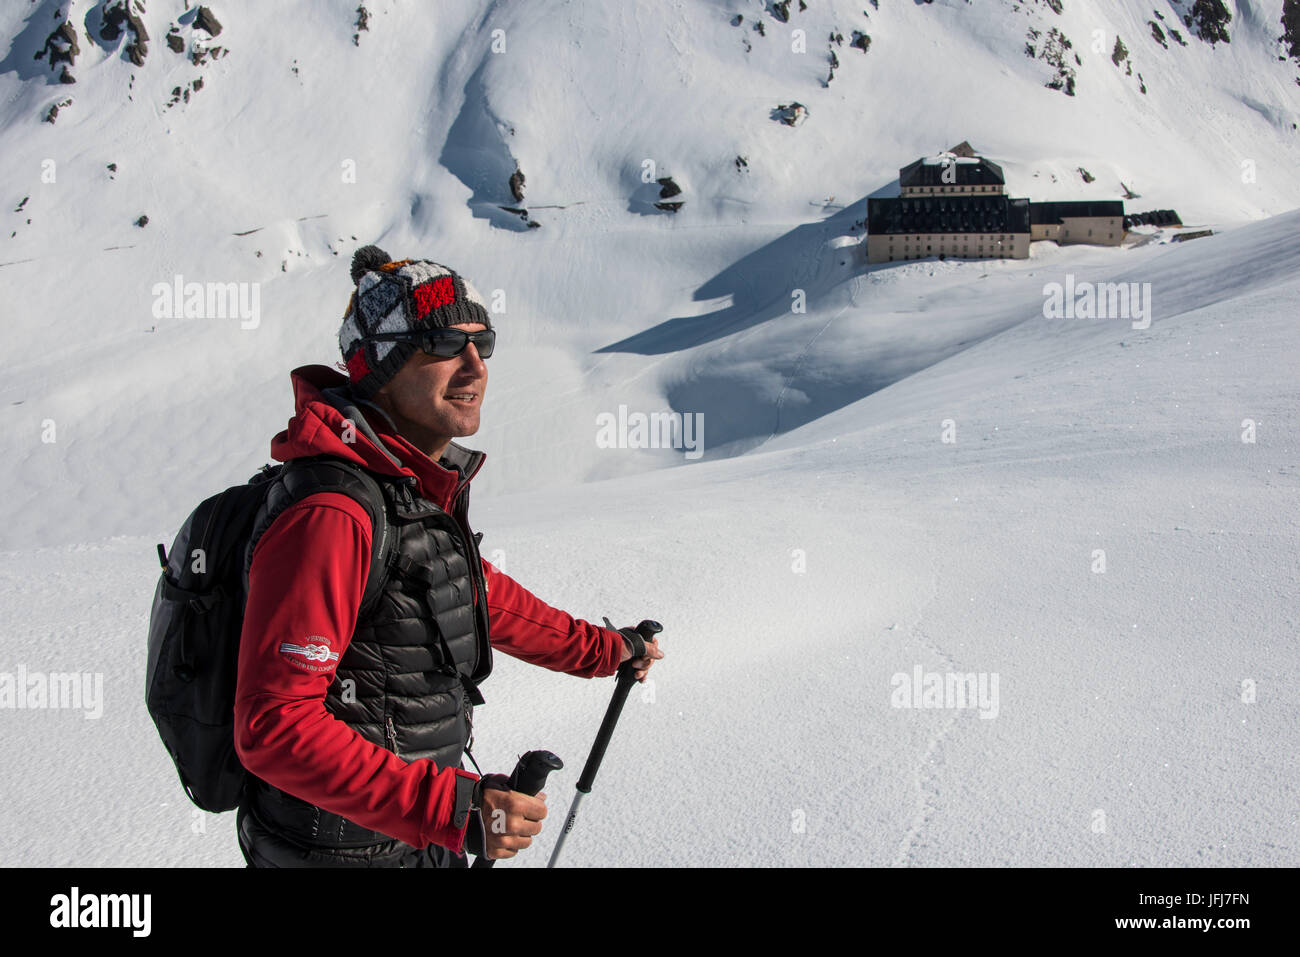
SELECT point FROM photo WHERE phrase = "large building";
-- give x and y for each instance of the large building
(956, 204)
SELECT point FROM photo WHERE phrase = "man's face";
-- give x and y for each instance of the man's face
(441, 398)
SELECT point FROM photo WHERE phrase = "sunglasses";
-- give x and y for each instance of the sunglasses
(443, 343)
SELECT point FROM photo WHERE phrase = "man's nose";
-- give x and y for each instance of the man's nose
(472, 361)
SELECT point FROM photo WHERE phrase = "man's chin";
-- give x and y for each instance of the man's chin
(465, 427)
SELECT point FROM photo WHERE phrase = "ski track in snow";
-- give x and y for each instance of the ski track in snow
(925, 777)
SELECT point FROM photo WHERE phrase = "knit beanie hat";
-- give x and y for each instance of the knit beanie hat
(404, 296)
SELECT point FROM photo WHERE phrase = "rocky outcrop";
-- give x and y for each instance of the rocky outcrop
(667, 190)
(362, 25)
(1291, 28)
(791, 114)
(124, 16)
(1209, 20)
(207, 22)
(53, 113)
(1055, 53)
(1120, 53)
(61, 46)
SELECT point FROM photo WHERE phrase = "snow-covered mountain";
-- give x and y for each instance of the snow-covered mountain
(266, 142)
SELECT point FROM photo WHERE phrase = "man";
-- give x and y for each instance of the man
(356, 680)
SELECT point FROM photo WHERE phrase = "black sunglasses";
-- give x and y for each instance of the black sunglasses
(444, 343)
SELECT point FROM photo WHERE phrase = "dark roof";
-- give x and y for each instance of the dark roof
(947, 214)
(1041, 214)
(1153, 217)
(921, 173)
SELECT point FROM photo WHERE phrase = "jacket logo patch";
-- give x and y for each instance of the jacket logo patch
(313, 655)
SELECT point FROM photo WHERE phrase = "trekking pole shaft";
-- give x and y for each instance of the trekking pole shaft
(568, 826)
(625, 682)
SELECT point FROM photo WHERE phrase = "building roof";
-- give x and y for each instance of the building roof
(1047, 214)
(1153, 217)
(947, 214)
(928, 171)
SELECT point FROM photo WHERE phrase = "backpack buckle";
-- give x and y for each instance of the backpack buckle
(202, 604)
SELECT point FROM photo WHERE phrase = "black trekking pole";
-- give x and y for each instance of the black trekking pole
(626, 678)
(528, 777)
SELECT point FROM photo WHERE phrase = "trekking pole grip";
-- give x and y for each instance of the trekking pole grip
(529, 775)
(647, 630)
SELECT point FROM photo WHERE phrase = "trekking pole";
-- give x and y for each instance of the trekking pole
(626, 678)
(528, 777)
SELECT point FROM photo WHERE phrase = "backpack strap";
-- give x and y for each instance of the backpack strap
(303, 477)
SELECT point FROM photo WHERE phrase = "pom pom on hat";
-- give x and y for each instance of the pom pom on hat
(365, 259)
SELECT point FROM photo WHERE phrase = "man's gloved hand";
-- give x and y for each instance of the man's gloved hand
(508, 820)
(641, 652)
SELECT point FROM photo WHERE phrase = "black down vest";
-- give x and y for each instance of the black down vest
(408, 679)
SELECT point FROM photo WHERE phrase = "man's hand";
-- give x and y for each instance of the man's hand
(510, 820)
(642, 665)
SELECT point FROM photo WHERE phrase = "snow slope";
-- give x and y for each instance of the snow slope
(1120, 691)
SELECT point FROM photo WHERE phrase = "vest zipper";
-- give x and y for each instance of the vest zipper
(390, 733)
(478, 583)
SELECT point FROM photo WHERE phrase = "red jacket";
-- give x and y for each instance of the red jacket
(306, 580)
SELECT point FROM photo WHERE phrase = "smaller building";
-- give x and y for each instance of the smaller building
(1100, 223)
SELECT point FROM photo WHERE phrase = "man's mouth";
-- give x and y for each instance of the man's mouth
(467, 398)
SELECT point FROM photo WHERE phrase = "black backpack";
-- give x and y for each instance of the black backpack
(198, 614)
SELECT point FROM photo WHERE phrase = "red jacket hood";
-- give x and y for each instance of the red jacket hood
(323, 406)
